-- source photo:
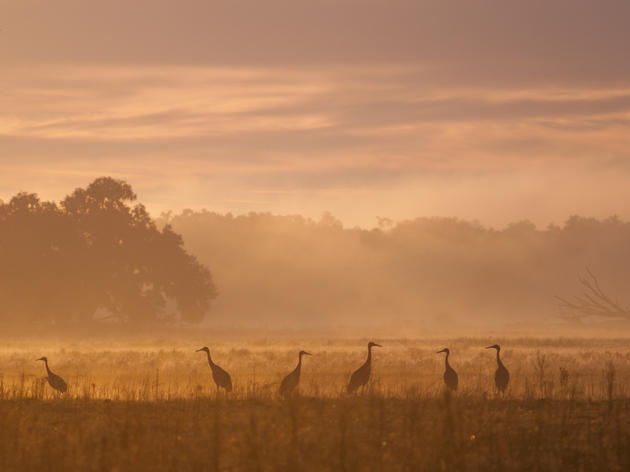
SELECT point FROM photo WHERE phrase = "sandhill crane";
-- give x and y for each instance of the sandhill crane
(450, 376)
(501, 376)
(361, 376)
(54, 380)
(291, 381)
(220, 376)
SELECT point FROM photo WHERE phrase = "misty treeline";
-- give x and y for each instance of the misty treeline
(95, 256)
(294, 272)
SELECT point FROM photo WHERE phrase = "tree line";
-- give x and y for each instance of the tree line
(98, 256)
(95, 256)
(428, 272)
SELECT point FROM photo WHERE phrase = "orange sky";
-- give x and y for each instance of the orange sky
(494, 110)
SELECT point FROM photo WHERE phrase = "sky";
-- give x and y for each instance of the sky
(495, 111)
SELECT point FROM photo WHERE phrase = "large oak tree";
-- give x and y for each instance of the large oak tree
(96, 255)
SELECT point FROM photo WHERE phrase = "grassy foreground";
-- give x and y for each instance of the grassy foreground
(151, 405)
(358, 433)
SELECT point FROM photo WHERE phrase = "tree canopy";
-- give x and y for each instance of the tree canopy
(95, 255)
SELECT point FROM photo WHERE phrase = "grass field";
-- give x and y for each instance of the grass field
(151, 405)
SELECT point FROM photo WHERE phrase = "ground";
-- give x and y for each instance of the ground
(140, 405)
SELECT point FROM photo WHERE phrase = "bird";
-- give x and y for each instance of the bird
(220, 376)
(501, 376)
(361, 376)
(450, 376)
(54, 380)
(291, 381)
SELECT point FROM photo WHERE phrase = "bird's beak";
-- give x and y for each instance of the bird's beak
(307, 353)
(377, 345)
(489, 347)
(443, 350)
(199, 350)
(40, 359)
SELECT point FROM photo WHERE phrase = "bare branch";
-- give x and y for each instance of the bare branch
(593, 301)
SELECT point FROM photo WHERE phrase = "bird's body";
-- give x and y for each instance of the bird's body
(291, 381)
(501, 376)
(221, 378)
(54, 380)
(361, 376)
(450, 376)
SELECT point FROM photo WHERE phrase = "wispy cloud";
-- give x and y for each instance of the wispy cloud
(303, 107)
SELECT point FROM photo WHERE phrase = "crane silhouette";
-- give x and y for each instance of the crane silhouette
(501, 376)
(219, 375)
(291, 381)
(450, 376)
(361, 376)
(54, 380)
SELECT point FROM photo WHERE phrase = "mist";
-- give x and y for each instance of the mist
(420, 276)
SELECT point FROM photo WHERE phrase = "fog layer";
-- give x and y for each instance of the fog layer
(422, 274)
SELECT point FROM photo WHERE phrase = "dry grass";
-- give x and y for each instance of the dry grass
(151, 405)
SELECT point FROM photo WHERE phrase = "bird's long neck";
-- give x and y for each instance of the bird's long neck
(446, 360)
(210, 359)
(298, 369)
(47, 368)
(369, 357)
(499, 363)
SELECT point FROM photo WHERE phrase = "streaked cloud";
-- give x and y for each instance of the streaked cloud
(409, 107)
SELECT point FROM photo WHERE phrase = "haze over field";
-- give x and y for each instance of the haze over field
(421, 276)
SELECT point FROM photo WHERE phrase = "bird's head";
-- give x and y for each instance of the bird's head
(371, 344)
(444, 350)
(42, 359)
(304, 353)
(494, 346)
(205, 349)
